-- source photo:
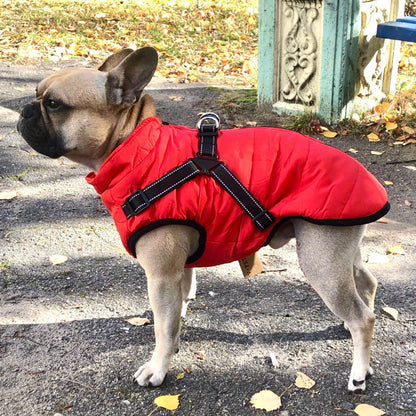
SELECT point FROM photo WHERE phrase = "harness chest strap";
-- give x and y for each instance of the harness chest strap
(204, 163)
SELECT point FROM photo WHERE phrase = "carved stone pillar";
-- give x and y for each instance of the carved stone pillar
(322, 55)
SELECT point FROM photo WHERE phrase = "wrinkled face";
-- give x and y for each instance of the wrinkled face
(70, 114)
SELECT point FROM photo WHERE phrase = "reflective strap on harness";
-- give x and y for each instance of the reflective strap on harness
(262, 218)
(138, 201)
(205, 163)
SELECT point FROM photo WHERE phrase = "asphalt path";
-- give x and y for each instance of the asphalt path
(66, 349)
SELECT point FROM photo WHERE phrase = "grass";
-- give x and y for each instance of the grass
(196, 39)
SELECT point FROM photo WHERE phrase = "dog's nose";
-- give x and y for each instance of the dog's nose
(28, 111)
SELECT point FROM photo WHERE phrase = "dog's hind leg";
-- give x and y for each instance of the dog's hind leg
(326, 256)
(163, 253)
(365, 282)
(188, 289)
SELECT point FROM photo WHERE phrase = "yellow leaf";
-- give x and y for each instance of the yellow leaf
(382, 108)
(159, 46)
(137, 321)
(170, 402)
(303, 381)
(329, 133)
(266, 400)
(388, 183)
(368, 410)
(391, 126)
(21, 89)
(180, 376)
(352, 150)
(375, 152)
(57, 259)
(395, 249)
(373, 137)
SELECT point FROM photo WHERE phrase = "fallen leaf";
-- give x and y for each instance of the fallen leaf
(352, 150)
(388, 182)
(368, 410)
(169, 402)
(57, 259)
(375, 258)
(8, 195)
(373, 137)
(138, 321)
(395, 249)
(382, 107)
(390, 312)
(329, 133)
(407, 203)
(303, 381)
(383, 220)
(266, 400)
(180, 376)
(375, 152)
(391, 126)
(408, 130)
(411, 167)
(176, 98)
(21, 89)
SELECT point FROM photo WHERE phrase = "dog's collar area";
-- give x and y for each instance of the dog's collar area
(205, 162)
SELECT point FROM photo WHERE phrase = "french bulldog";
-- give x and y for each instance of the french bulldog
(85, 114)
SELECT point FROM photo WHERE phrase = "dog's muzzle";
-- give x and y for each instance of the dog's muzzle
(32, 128)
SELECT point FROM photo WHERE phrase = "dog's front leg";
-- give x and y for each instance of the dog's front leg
(166, 301)
(163, 254)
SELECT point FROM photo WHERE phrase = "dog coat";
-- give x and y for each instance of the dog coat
(292, 175)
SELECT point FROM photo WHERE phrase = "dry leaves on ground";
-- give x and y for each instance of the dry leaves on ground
(368, 410)
(266, 400)
(214, 38)
(56, 259)
(137, 321)
(8, 195)
(269, 401)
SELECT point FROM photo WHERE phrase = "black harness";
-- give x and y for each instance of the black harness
(204, 163)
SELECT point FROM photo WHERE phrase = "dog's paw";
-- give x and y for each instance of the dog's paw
(358, 386)
(149, 375)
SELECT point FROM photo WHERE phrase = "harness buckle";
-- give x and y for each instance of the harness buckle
(135, 203)
(208, 119)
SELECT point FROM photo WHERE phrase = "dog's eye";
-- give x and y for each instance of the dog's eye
(52, 104)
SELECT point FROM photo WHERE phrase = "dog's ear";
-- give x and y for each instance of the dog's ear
(126, 81)
(115, 59)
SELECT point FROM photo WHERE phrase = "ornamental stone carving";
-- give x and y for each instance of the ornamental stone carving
(299, 55)
(299, 22)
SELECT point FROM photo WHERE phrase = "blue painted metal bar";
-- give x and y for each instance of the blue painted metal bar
(403, 28)
(408, 19)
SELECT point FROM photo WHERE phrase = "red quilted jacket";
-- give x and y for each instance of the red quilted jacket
(290, 174)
